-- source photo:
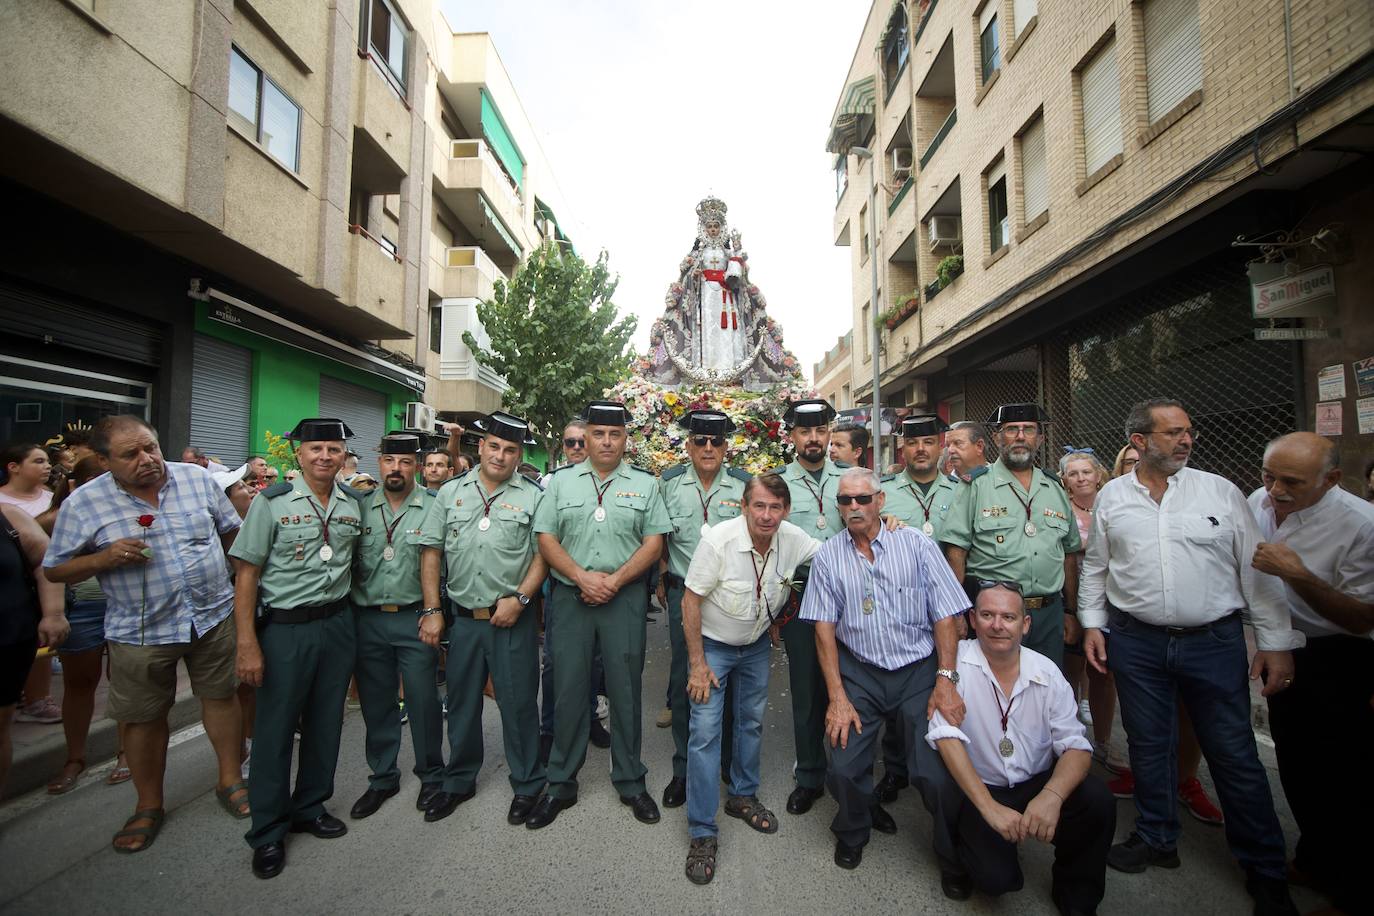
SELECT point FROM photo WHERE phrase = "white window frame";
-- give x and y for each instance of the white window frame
(263, 80)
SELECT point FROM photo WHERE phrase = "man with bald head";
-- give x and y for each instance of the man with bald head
(1319, 540)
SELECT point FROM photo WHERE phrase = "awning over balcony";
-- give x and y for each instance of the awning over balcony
(499, 139)
(495, 222)
(854, 117)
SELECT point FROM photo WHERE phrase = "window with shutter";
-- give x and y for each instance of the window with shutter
(990, 47)
(1098, 87)
(221, 391)
(1173, 54)
(1035, 178)
(998, 229)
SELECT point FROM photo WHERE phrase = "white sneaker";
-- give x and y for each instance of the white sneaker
(1085, 714)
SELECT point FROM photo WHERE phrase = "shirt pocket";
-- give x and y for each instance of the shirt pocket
(1206, 531)
(996, 534)
(628, 512)
(296, 539)
(736, 600)
(514, 527)
(684, 518)
(727, 509)
(910, 608)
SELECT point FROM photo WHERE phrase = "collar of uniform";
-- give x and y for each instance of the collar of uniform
(378, 498)
(794, 469)
(1002, 476)
(620, 470)
(908, 481)
(977, 659)
(299, 488)
(514, 480)
(692, 475)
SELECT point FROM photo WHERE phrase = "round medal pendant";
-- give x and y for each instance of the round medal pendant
(600, 514)
(326, 553)
(388, 553)
(1005, 747)
(1030, 529)
(868, 605)
(928, 529)
(704, 528)
(484, 524)
(820, 522)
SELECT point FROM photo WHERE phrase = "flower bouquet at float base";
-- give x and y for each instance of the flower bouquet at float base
(759, 442)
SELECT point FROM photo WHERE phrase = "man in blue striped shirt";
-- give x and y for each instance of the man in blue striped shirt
(883, 602)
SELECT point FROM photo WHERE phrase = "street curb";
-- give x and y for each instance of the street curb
(37, 763)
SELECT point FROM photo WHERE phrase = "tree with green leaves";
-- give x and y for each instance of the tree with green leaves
(556, 338)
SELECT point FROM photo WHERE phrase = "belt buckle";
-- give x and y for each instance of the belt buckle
(481, 613)
(389, 608)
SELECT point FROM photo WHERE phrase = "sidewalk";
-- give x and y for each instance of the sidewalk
(40, 750)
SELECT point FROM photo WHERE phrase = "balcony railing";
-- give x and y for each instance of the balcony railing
(940, 136)
(897, 198)
(478, 149)
(385, 246)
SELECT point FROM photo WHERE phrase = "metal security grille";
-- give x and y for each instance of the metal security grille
(1013, 379)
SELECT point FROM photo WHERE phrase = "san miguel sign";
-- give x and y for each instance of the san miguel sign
(1309, 294)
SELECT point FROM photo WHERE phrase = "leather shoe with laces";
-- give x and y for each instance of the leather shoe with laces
(848, 856)
(520, 808)
(646, 812)
(546, 811)
(427, 792)
(1135, 855)
(371, 800)
(445, 803)
(956, 887)
(888, 787)
(269, 859)
(802, 798)
(326, 827)
(882, 821)
(675, 793)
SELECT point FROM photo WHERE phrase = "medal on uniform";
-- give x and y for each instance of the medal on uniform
(1030, 529)
(300, 551)
(928, 529)
(599, 514)
(820, 522)
(326, 553)
(868, 605)
(388, 553)
(484, 524)
(1005, 747)
(704, 529)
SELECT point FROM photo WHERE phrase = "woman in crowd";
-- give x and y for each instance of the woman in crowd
(25, 471)
(82, 657)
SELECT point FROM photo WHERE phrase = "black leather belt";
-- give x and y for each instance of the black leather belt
(305, 614)
(393, 608)
(472, 613)
(1036, 602)
(1179, 631)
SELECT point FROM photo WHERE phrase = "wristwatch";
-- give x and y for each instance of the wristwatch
(428, 611)
(949, 673)
(523, 599)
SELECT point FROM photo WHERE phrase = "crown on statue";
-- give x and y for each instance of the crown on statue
(711, 208)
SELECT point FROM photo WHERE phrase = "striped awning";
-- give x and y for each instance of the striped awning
(855, 116)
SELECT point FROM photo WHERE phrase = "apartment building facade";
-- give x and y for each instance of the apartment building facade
(1088, 203)
(832, 374)
(241, 213)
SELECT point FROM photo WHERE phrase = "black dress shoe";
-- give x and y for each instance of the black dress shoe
(956, 887)
(326, 827)
(646, 812)
(802, 798)
(848, 856)
(546, 811)
(445, 803)
(269, 859)
(888, 787)
(427, 792)
(882, 821)
(520, 808)
(675, 793)
(598, 735)
(371, 800)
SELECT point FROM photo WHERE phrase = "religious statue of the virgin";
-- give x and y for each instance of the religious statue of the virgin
(715, 328)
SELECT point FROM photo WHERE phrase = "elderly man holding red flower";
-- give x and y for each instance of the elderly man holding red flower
(154, 534)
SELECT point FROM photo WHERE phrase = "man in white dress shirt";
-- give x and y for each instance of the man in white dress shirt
(1168, 568)
(1320, 543)
(1019, 766)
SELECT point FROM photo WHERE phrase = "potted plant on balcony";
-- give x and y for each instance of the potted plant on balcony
(949, 268)
(901, 311)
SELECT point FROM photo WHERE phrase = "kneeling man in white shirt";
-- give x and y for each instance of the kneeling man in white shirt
(1019, 766)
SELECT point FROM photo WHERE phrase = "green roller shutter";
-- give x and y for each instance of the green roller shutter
(499, 139)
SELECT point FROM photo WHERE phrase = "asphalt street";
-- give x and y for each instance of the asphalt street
(55, 853)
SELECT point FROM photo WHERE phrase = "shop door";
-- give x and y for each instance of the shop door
(40, 401)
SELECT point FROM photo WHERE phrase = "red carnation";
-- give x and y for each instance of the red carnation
(145, 521)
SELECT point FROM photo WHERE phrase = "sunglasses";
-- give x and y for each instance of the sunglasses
(574, 443)
(999, 583)
(862, 499)
(717, 441)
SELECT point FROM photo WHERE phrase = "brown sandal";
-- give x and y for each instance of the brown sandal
(750, 810)
(65, 782)
(239, 809)
(701, 860)
(149, 833)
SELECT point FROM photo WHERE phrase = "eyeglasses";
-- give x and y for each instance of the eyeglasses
(717, 441)
(999, 583)
(1176, 433)
(574, 443)
(862, 499)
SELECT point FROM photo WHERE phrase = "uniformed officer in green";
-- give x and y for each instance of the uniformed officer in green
(814, 481)
(481, 530)
(1014, 524)
(600, 525)
(386, 597)
(293, 560)
(697, 495)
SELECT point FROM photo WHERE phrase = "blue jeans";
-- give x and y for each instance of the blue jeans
(748, 667)
(1209, 671)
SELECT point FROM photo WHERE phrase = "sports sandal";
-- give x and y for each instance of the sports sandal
(64, 781)
(748, 809)
(149, 833)
(238, 809)
(701, 860)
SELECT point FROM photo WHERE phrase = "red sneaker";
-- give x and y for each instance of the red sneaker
(1195, 799)
(1123, 786)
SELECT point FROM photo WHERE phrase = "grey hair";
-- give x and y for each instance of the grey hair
(576, 423)
(1142, 418)
(1102, 475)
(864, 474)
(197, 452)
(976, 432)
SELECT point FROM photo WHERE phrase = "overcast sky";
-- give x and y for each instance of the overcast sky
(643, 108)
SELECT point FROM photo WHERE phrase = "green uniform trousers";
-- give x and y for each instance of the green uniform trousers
(620, 628)
(511, 656)
(1046, 634)
(677, 694)
(389, 650)
(306, 667)
(809, 702)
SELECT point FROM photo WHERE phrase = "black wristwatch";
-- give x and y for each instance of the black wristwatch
(522, 598)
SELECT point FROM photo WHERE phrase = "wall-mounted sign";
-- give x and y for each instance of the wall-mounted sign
(1364, 376)
(1307, 294)
(1329, 419)
(1331, 383)
(1295, 333)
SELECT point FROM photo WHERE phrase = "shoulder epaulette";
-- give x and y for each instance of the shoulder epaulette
(277, 489)
(887, 477)
(974, 474)
(431, 491)
(359, 495)
(635, 467)
(842, 465)
(537, 485)
(740, 474)
(676, 470)
(564, 468)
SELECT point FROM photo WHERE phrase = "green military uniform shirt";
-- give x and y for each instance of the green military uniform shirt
(633, 510)
(284, 532)
(483, 565)
(690, 506)
(989, 520)
(377, 580)
(908, 502)
(812, 501)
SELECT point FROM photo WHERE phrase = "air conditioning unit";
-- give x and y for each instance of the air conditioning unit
(420, 416)
(945, 232)
(901, 159)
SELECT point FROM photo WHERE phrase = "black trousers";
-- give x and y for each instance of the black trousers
(1087, 821)
(1323, 730)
